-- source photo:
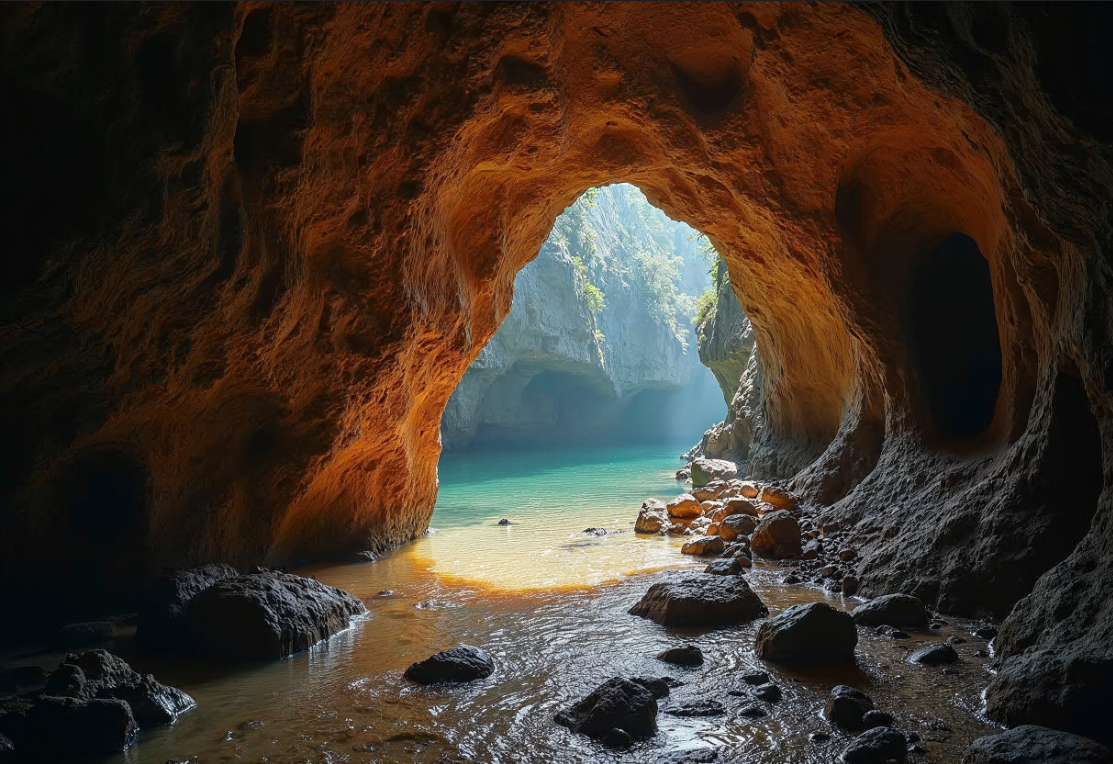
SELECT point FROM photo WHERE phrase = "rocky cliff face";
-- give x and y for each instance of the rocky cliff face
(726, 339)
(557, 371)
(257, 247)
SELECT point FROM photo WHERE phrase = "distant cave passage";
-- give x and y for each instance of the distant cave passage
(954, 339)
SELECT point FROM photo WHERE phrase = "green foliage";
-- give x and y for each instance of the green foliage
(593, 297)
(706, 304)
(590, 195)
(600, 338)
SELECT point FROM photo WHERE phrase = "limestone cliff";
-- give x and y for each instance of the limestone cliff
(726, 337)
(559, 371)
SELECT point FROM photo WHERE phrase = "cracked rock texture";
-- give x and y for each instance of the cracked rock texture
(257, 246)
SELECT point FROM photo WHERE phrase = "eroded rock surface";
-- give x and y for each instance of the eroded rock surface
(267, 615)
(812, 632)
(462, 663)
(700, 600)
(618, 703)
(1029, 744)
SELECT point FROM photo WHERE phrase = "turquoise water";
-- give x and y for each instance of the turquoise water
(550, 497)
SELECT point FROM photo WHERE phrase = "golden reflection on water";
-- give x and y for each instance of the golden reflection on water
(346, 701)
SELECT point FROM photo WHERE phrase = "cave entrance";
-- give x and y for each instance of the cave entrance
(601, 341)
(955, 342)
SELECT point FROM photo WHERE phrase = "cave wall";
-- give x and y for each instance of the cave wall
(256, 247)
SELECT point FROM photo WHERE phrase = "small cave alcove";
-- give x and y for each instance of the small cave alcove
(955, 342)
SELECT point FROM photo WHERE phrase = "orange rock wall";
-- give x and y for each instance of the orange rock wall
(258, 245)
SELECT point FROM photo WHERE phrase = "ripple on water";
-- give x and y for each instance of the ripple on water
(346, 701)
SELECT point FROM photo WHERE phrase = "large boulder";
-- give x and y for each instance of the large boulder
(98, 674)
(777, 537)
(846, 707)
(892, 610)
(700, 601)
(267, 615)
(463, 663)
(54, 728)
(875, 746)
(736, 525)
(163, 618)
(704, 546)
(778, 497)
(618, 703)
(812, 632)
(684, 505)
(934, 655)
(706, 470)
(653, 517)
(735, 506)
(726, 566)
(1029, 744)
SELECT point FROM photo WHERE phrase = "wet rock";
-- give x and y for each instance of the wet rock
(889, 631)
(726, 566)
(981, 653)
(696, 708)
(1029, 744)
(769, 692)
(829, 571)
(617, 703)
(98, 674)
(652, 518)
(985, 632)
(892, 610)
(956, 641)
(875, 746)
(777, 537)
(704, 546)
(385, 594)
(503, 521)
(699, 527)
(735, 526)
(706, 470)
(701, 601)
(688, 655)
(684, 505)
(268, 616)
(876, 718)
(778, 497)
(84, 634)
(163, 618)
(847, 555)
(20, 679)
(756, 677)
(742, 506)
(658, 686)
(934, 655)
(594, 531)
(462, 663)
(849, 586)
(819, 737)
(846, 707)
(748, 489)
(54, 727)
(790, 579)
(697, 756)
(684, 474)
(710, 491)
(811, 551)
(677, 529)
(753, 711)
(812, 632)
(617, 738)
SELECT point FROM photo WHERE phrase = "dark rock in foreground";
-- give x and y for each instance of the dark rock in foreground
(875, 746)
(1029, 744)
(891, 610)
(688, 655)
(164, 617)
(727, 566)
(463, 663)
(97, 674)
(267, 615)
(700, 601)
(52, 728)
(846, 706)
(696, 708)
(616, 704)
(934, 655)
(812, 632)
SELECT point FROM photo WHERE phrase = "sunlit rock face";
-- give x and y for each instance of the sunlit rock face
(256, 248)
(561, 369)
